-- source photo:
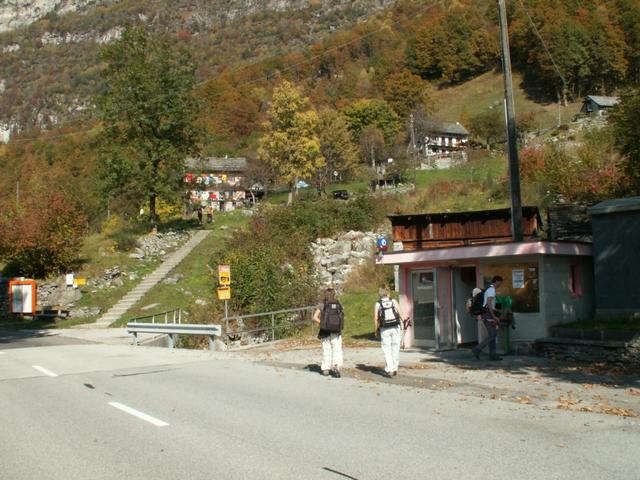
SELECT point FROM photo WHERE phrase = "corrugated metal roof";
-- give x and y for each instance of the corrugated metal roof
(616, 205)
(217, 164)
(603, 101)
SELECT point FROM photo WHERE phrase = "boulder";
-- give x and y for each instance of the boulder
(339, 248)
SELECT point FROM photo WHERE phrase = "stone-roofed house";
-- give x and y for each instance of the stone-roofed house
(598, 105)
(216, 181)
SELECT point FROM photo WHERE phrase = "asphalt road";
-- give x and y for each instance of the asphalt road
(91, 411)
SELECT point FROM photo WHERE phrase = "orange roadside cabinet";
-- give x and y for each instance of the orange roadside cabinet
(22, 296)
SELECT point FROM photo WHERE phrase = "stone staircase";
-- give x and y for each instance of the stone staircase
(130, 299)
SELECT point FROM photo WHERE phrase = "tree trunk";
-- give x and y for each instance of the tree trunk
(290, 195)
(153, 218)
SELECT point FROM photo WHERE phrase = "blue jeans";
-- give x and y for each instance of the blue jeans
(492, 333)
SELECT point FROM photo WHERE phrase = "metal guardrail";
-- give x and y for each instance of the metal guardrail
(276, 322)
(170, 316)
(171, 329)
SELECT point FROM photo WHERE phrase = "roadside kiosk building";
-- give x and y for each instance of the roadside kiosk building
(444, 256)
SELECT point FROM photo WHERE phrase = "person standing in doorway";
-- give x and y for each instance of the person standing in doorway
(330, 316)
(490, 319)
(387, 321)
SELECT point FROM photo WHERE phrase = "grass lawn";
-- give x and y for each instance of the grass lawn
(358, 309)
(485, 91)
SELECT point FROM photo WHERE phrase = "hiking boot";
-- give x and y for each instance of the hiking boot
(325, 373)
(388, 374)
(336, 373)
(395, 373)
(495, 358)
(476, 353)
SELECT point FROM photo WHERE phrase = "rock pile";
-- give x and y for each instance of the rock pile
(156, 245)
(111, 278)
(334, 259)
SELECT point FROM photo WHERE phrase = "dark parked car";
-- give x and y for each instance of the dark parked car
(341, 195)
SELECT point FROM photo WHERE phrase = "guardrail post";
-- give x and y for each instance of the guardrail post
(212, 343)
(135, 338)
(170, 342)
(273, 327)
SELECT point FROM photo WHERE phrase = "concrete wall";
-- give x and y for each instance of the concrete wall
(616, 253)
(558, 303)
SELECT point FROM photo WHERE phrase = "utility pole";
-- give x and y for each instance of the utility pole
(512, 138)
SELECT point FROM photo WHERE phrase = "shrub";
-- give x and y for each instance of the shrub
(42, 235)
(271, 261)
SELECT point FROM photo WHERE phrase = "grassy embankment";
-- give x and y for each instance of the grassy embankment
(197, 277)
(487, 90)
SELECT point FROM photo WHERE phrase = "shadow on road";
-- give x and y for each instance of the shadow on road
(34, 338)
(616, 376)
(371, 369)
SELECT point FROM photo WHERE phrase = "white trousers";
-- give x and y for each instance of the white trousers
(390, 340)
(332, 351)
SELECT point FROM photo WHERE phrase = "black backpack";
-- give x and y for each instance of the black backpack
(383, 321)
(332, 317)
(476, 303)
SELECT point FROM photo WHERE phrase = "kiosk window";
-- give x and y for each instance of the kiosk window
(520, 282)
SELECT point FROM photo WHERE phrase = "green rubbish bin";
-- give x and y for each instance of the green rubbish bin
(506, 320)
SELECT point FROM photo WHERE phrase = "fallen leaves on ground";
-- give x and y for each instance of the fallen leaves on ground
(524, 400)
(415, 366)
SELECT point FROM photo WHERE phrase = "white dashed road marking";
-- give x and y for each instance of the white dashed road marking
(45, 371)
(140, 415)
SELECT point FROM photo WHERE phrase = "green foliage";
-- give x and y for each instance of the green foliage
(271, 261)
(589, 173)
(373, 113)
(147, 109)
(488, 126)
(626, 127)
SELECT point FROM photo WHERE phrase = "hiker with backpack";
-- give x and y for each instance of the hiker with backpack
(330, 316)
(490, 319)
(387, 320)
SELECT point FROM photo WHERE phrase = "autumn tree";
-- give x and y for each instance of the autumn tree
(626, 127)
(290, 144)
(42, 233)
(336, 147)
(453, 48)
(147, 110)
(405, 91)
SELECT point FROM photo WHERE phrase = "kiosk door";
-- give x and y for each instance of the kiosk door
(423, 296)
